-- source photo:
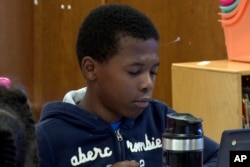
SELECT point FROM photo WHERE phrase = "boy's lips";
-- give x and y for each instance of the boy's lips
(143, 103)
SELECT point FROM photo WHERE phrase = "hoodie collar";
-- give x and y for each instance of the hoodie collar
(75, 96)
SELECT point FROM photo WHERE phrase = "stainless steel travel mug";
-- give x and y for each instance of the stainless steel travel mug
(182, 141)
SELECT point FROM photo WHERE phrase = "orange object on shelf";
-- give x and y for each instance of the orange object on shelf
(237, 33)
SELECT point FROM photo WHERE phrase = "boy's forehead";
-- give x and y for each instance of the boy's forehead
(129, 41)
(125, 37)
(134, 49)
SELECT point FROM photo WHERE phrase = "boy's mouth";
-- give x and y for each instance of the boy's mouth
(143, 103)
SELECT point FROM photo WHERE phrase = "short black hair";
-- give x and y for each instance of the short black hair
(102, 29)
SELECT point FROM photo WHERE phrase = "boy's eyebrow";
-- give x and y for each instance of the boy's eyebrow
(141, 64)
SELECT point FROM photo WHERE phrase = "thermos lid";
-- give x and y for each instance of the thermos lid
(184, 125)
(184, 117)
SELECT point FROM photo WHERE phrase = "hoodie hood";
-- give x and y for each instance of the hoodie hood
(73, 115)
(68, 111)
(75, 96)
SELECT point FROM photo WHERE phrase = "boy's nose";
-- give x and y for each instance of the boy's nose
(147, 83)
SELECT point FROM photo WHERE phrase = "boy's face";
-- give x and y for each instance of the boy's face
(125, 83)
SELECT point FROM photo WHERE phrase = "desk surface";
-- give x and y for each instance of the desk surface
(217, 65)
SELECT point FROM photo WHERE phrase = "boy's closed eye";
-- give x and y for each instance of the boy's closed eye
(138, 72)
(138, 68)
(153, 72)
(135, 72)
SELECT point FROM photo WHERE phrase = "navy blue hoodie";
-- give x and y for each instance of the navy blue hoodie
(70, 136)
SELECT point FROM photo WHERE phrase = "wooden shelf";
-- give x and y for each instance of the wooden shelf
(211, 90)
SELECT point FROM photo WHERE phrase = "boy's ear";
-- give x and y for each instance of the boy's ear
(88, 66)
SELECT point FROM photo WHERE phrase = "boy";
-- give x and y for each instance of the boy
(113, 122)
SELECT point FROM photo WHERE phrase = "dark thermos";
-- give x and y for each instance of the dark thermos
(182, 141)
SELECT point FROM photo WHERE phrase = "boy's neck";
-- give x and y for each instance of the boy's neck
(96, 108)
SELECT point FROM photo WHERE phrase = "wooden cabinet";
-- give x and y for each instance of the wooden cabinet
(16, 40)
(56, 69)
(211, 90)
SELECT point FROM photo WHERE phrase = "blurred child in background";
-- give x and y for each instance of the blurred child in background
(17, 131)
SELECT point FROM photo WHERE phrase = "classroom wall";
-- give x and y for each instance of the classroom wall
(37, 41)
(16, 43)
